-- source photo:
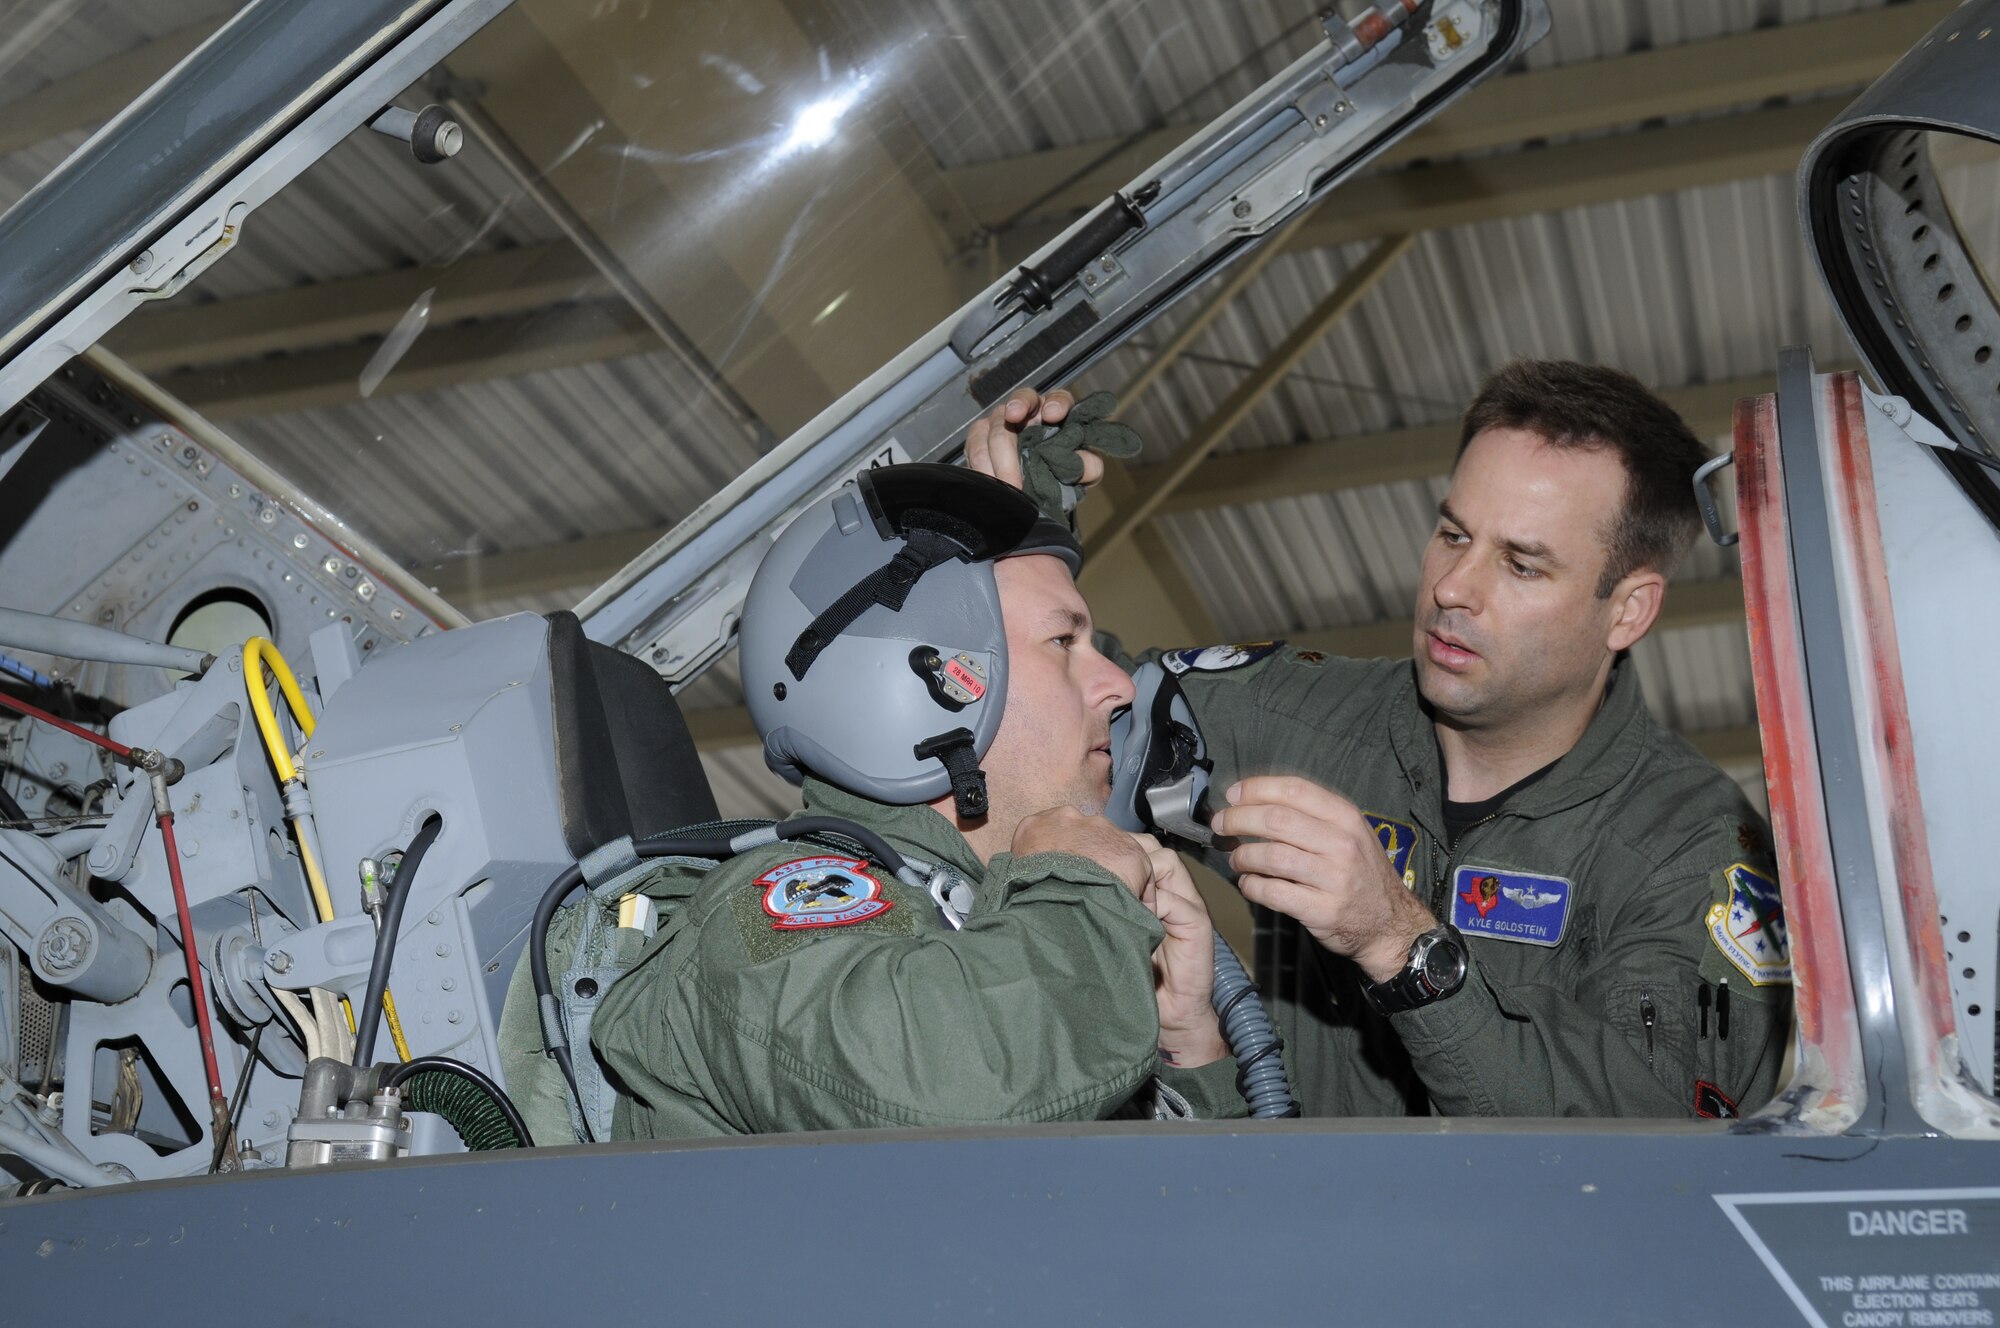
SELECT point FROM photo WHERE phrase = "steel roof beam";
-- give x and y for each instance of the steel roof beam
(1231, 480)
(1723, 73)
(442, 357)
(1262, 474)
(1600, 170)
(1799, 59)
(1755, 145)
(1160, 484)
(328, 313)
(1750, 145)
(1688, 604)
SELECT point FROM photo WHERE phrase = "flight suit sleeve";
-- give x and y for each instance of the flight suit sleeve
(1040, 1008)
(1639, 1037)
(533, 1079)
(1210, 1090)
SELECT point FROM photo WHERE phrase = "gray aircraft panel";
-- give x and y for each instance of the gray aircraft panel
(1285, 1224)
(1530, 1222)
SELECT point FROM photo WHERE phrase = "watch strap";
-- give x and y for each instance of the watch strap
(1411, 987)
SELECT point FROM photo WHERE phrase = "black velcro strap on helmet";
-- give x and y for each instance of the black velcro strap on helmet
(888, 585)
(968, 781)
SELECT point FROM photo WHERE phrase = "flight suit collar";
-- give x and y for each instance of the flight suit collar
(1616, 738)
(919, 829)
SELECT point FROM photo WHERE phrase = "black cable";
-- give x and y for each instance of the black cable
(399, 890)
(538, 968)
(668, 844)
(657, 846)
(799, 827)
(479, 1078)
(242, 1094)
(10, 809)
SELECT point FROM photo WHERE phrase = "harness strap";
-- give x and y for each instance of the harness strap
(889, 585)
(608, 860)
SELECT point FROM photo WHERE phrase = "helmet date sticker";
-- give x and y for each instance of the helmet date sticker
(821, 892)
(964, 681)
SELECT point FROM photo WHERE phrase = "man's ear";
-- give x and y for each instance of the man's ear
(1635, 607)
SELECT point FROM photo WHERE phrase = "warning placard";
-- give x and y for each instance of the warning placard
(1880, 1258)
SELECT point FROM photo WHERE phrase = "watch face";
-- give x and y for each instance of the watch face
(1444, 965)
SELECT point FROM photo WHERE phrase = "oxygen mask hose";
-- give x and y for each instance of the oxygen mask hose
(1247, 1028)
(1159, 785)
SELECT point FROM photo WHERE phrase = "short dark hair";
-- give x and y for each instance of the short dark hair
(1571, 405)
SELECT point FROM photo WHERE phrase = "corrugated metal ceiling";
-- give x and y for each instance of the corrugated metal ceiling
(1694, 287)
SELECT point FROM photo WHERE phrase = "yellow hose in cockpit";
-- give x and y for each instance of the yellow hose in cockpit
(259, 654)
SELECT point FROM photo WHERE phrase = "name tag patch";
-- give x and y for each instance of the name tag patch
(1749, 927)
(1217, 659)
(1399, 841)
(1509, 905)
(821, 892)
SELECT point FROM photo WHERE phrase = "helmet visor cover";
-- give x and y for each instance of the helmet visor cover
(966, 506)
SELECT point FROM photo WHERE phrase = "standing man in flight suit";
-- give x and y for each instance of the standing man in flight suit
(915, 651)
(1489, 883)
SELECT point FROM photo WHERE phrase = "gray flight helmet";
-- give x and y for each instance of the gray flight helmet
(873, 651)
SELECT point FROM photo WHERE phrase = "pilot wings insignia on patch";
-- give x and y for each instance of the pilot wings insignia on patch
(1529, 897)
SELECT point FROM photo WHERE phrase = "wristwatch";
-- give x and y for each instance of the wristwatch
(1435, 970)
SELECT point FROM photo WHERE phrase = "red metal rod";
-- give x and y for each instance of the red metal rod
(117, 749)
(196, 991)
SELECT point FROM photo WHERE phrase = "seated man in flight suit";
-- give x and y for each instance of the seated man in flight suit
(915, 652)
(1489, 883)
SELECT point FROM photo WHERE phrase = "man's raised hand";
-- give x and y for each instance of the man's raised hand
(1067, 830)
(1184, 963)
(993, 443)
(1310, 855)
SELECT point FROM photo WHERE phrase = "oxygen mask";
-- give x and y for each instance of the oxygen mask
(1159, 764)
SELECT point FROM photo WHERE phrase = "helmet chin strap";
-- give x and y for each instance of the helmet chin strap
(968, 781)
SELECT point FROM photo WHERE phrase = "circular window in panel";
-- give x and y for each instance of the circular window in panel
(218, 622)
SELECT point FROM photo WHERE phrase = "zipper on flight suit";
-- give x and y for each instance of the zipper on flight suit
(1440, 895)
(1646, 1018)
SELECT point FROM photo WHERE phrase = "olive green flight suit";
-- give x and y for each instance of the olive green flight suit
(1646, 864)
(1041, 1009)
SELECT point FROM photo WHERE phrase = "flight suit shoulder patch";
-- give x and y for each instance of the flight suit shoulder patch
(1399, 840)
(1746, 930)
(788, 904)
(1235, 658)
